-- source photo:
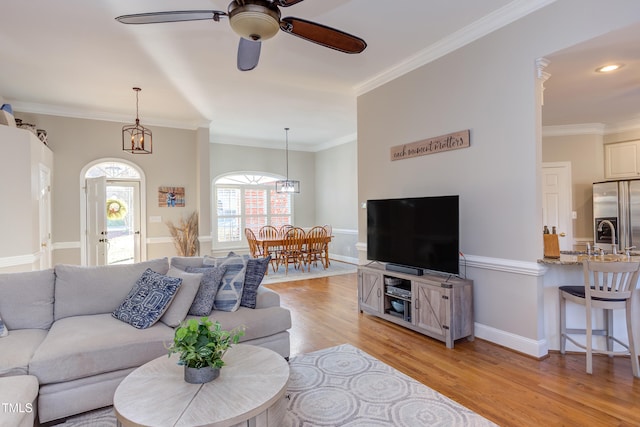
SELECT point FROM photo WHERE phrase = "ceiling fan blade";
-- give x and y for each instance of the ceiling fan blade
(248, 54)
(287, 3)
(323, 35)
(173, 16)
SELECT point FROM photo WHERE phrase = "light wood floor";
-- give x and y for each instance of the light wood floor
(506, 387)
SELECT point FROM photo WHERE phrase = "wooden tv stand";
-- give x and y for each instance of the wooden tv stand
(438, 306)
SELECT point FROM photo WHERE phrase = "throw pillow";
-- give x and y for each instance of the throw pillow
(3, 329)
(211, 277)
(230, 291)
(148, 299)
(181, 303)
(256, 268)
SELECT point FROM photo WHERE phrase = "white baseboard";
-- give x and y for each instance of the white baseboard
(515, 342)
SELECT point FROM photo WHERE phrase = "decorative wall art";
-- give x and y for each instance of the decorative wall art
(452, 141)
(171, 197)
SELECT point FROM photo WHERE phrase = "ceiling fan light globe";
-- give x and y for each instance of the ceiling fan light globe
(254, 21)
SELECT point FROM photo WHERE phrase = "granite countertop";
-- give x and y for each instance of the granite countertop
(576, 258)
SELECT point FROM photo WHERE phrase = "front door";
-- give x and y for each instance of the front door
(123, 222)
(96, 233)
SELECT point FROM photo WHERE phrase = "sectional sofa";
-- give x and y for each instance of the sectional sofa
(67, 327)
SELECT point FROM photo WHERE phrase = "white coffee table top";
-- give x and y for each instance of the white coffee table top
(155, 394)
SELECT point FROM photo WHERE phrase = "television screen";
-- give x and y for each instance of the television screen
(417, 232)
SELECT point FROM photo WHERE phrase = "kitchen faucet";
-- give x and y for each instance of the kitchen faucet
(614, 246)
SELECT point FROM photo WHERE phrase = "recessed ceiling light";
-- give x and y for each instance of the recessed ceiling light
(609, 68)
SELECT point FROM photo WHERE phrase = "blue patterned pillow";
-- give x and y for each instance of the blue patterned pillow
(211, 277)
(148, 299)
(230, 291)
(3, 329)
(256, 268)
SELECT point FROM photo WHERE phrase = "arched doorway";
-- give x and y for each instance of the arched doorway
(112, 211)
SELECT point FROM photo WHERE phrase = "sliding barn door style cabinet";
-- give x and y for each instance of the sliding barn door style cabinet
(438, 306)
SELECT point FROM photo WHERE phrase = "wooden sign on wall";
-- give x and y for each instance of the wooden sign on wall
(452, 141)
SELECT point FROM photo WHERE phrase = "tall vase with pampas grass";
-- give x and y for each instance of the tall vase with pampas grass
(185, 235)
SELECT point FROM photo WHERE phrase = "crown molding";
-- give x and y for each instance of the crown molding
(578, 129)
(472, 32)
(591, 129)
(277, 145)
(54, 110)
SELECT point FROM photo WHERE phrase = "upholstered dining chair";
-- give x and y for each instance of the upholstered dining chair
(291, 252)
(314, 247)
(607, 286)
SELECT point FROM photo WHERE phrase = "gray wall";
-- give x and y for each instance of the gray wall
(77, 142)
(328, 182)
(489, 87)
(337, 197)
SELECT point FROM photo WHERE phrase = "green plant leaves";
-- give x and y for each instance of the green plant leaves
(203, 343)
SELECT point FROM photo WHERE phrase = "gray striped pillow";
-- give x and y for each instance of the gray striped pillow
(3, 329)
(230, 290)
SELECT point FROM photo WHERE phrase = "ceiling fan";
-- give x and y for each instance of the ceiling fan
(257, 20)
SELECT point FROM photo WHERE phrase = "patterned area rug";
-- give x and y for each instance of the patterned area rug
(344, 386)
(335, 268)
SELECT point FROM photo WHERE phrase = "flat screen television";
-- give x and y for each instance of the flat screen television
(419, 232)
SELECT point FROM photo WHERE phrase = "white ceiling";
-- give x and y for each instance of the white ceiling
(71, 58)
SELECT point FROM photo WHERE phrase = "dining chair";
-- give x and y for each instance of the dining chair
(607, 286)
(283, 230)
(269, 232)
(254, 248)
(329, 230)
(314, 247)
(291, 252)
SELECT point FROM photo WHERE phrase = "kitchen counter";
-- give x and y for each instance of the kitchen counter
(573, 258)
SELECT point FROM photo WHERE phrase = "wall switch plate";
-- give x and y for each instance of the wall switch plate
(155, 219)
(574, 215)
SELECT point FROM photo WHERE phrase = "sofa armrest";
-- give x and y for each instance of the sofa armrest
(267, 298)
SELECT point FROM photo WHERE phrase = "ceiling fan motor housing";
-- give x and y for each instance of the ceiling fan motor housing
(254, 19)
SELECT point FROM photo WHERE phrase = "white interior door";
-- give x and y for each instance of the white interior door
(557, 202)
(97, 241)
(44, 213)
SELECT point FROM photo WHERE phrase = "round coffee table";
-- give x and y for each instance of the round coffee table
(251, 386)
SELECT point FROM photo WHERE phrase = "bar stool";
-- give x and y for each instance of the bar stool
(609, 286)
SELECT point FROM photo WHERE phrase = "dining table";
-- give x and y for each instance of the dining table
(268, 245)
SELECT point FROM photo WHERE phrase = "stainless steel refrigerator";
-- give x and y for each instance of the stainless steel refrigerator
(619, 203)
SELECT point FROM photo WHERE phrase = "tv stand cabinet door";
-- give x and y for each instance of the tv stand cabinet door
(370, 291)
(431, 306)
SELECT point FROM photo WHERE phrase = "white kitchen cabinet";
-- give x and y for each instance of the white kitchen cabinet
(622, 160)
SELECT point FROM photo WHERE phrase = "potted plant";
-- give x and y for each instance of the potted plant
(201, 345)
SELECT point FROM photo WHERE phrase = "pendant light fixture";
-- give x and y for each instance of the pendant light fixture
(288, 185)
(136, 139)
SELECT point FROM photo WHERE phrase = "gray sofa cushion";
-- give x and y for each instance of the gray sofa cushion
(181, 303)
(26, 299)
(257, 323)
(91, 290)
(148, 299)
(81, 346)
(16, 350)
